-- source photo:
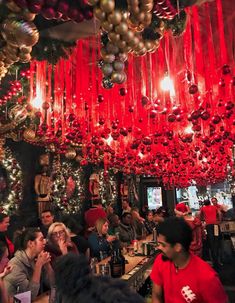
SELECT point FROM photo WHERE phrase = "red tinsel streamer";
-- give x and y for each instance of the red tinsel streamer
(181, 139)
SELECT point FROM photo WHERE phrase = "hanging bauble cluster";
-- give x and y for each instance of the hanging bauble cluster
(18, 35)
(63, 10)
(112, 64)
(124, 29)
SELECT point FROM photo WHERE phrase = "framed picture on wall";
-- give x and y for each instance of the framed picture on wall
(154, 197)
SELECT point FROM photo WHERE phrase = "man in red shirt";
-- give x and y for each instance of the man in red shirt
(94, 213)
(177, 275)
(212, 216)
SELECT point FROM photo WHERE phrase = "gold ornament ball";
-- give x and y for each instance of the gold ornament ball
(148, 45)
(122, 28)
(107, 5)
(70, 154)
(99, 14)
(17, 113)
(113, 37)
(20, 32)
(109, 58)
(122, 56)
(115, 17)
(121, 44)
(129, 36)
(135, 41)
(117, 77)
(106, 26)
(29, 134)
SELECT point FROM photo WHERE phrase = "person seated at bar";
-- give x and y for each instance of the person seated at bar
(93, 214)
(74, 229)
(31, 264)
(114, 222)
(59, 241)
(47, 218)
(109, 210)
(100, 241)
(75, 284)
(4, 254)
(181, 209)
(125, 207)
(126, 230)
(159, 215)
(149, 223)
(138, 224)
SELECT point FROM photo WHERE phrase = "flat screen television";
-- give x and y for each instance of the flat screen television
(154, 197)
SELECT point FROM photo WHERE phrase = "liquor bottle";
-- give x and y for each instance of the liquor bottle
(123, 260)
(116, 265)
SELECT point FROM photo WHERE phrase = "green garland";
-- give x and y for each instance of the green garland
(14, 180)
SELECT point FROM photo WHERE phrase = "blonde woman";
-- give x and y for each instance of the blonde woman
(100, 242)
(59, 241)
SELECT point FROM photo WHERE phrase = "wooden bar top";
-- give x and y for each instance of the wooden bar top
(132, 261)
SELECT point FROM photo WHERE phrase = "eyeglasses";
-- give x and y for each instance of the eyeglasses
(58, 233)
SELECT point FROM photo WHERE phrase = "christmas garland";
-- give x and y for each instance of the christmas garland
(108, 187)
(68, 204)
(14, 183)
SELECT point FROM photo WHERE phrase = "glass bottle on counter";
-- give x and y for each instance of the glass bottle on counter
(123, 260)
(116, 264)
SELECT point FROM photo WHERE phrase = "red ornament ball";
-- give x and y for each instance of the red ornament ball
(193, 89)
(100, 98)
(122, 91)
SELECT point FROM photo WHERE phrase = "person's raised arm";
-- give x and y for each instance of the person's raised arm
(157, 294)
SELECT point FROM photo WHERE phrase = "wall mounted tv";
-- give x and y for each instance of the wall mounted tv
(154, 197)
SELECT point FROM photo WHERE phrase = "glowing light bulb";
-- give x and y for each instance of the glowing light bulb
(188, 130)
(109, 140)
(37, 101)
(167, 85)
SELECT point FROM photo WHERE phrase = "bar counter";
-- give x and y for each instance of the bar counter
(138, 267)
(137, 270)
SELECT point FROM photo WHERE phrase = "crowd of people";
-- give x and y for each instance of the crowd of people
(36, 261)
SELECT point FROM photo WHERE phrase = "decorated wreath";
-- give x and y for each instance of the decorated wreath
(10, 182)
(68, 192)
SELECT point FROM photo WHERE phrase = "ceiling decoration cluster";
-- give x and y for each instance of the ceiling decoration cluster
(173, 116)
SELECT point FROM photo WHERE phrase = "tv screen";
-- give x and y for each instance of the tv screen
(154, 197)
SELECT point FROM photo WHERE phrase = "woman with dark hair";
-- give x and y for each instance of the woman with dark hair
(28, 264)
(4, 223)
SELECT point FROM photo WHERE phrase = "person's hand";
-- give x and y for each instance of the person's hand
(43, 258)
(111, 238)
(63, 246)
(6, 271)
